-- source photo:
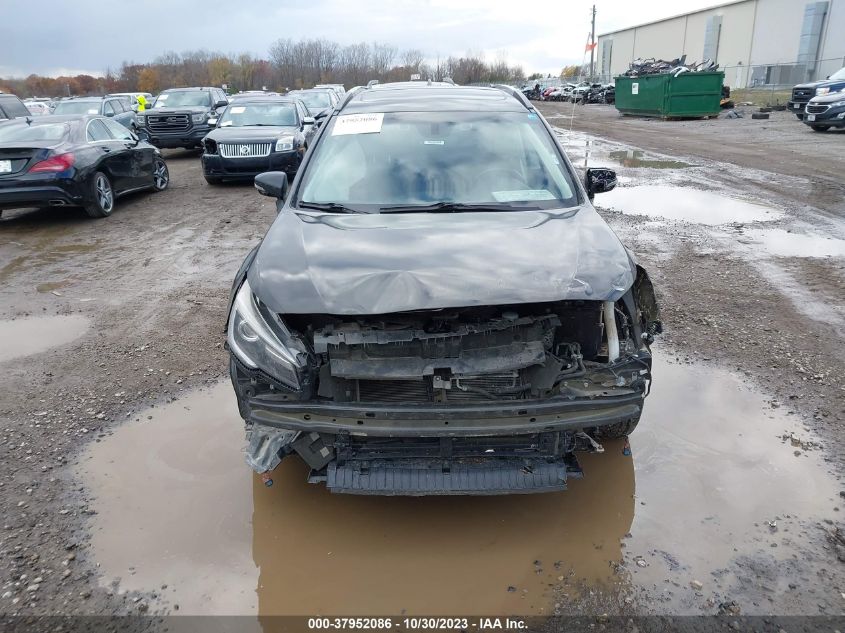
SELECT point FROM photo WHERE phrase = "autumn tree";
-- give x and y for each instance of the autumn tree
(149, 80)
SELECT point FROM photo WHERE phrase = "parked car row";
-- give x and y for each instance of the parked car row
(585, 92)
(820, 104)
(88, 151)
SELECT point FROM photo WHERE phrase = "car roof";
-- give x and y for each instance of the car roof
(54, 118)
(190, 88)
(265, 99)
(422, 96)
(84, 99)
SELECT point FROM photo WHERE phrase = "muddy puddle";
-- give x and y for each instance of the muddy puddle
(32, 335)
(782, 243)
(176, 506)
(684, 204)
(638, 159)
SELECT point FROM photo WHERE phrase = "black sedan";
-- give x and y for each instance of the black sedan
(257, 135)
(88, 161)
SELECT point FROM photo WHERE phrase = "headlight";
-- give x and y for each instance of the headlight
(255, 342)
(822, 91)
(139, 118)
(284, 144)
(198, 118)
(837, 104)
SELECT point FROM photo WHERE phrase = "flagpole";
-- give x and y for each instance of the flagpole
(593, 47)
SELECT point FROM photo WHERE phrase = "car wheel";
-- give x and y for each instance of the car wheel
(102, 197)
(820, 128)
(213, 180)
(618, 430)
(161, 175)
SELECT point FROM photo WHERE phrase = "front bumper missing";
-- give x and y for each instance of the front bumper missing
(512, 418)
(497, 448)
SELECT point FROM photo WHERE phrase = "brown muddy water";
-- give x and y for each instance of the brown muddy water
(176, 506)
(31, 335)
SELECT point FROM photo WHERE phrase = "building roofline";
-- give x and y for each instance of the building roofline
(673, 17)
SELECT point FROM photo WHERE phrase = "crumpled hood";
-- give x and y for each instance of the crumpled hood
(375, 264)
(251, 134)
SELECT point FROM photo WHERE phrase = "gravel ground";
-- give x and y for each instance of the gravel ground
(154, 278)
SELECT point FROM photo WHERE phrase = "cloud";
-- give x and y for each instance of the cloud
(543, 35)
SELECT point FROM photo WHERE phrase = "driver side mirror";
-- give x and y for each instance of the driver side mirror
(212, 121)
(599, 180)
(309, 120)
(109, 114)
(273, 184)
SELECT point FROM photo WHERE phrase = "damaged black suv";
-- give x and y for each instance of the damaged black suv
(438, 308)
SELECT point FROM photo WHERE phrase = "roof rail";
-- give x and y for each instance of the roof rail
(516, 94)
(348, 96)
(372, 82)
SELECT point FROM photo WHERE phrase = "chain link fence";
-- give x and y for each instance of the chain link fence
(780, 76)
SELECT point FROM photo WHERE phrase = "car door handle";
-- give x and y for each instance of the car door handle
(105, 149)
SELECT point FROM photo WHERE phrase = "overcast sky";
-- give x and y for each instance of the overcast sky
(74, 36)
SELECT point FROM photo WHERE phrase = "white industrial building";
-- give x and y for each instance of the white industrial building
(756, 42)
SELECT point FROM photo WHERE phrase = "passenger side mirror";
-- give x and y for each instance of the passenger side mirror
(309, 120)
(599, 180)
(221, 104)
(273, 184)
(109, 114)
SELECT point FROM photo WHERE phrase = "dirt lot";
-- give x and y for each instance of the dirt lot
(122, 488)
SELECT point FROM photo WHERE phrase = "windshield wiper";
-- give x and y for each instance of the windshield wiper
(327, 206)
(454, 207)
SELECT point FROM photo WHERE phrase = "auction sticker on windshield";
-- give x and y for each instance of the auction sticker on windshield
(367, 123)
(5, 167)
(523, 194)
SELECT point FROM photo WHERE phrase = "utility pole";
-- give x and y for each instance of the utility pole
(593, 48)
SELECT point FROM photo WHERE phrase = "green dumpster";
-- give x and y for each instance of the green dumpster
(685, 95)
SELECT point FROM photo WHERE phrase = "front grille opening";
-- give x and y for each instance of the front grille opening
(502, 386)
(393, 391)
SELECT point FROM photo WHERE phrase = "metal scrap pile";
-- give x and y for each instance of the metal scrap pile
(652, 66)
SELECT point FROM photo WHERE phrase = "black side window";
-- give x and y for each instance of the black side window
(14, 107)
(97, 131)
(107, 108)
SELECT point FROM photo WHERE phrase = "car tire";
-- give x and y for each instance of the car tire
(213, 180)
(102, 196)
(618, 430)
(820, 128)
(161, 175)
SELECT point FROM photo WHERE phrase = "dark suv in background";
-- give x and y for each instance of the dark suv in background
(257, 135)
(11, 107)
(802, 93)
(179, 117)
